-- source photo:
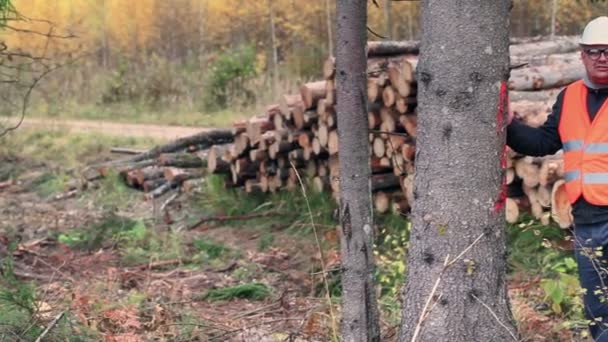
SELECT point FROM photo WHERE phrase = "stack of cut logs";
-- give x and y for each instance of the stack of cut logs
(296, 138)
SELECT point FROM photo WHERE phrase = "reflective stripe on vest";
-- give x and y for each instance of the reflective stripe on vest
(585, 147)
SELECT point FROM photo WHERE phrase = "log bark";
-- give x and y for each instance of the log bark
(360, 316)
(388, 48)
(204, 139)
(145, 174)
(538, 60)
(457, 221)
(178, 176)
(546, 47)
(384, 181)
(124, 150)
(159, 191)
(185, 160)
(545, 77)
(548, 95)
(152, 184)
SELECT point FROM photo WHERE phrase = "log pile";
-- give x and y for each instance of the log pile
(297, 139)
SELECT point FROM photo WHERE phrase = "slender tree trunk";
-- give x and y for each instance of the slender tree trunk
(456, 289)
(106, 39)
(202, 9)
(553, 15)
(275, 56)
(330, 42)
(359, 307)
(388, 19)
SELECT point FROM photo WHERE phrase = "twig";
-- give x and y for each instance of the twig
(375, 33)
(157, 264)
(223, 328)
(48, 35)
(254, 325)
(28, 275)
(247, 313)
(66, 195)
(496, 317)
(466, 250)
(428, 301)
(236, 217)
(125, 150)
(55, 269)
(446, 265)
(169, 200)
(314, 229)
(26, 99)
(50, 326)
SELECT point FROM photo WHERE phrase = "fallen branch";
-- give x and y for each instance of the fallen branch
(233, 218)
(28, 275)
(7, 184)
(169, 200)
(50, 326)
(159, 264)
(124, 150)
(495, 317)
(202, 140)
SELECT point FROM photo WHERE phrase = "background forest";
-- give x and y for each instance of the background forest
(92, 252)
(140, 59)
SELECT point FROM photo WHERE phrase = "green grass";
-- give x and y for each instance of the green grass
(252, 291)
(49, 184)
(20, 318)
(529, 248)
(132, 112)
(57, 148)
(291, 208)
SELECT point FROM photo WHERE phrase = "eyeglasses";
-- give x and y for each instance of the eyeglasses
(594, 54)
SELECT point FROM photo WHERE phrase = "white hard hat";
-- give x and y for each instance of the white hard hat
(596, 32)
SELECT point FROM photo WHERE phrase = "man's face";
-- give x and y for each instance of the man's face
(595, 59)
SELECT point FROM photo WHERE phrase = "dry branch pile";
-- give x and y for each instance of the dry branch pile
(297, 137)
(179, 164)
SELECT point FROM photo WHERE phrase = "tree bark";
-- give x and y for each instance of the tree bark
(456, 262)
(359, 308)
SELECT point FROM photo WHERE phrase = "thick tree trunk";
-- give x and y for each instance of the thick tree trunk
(359, 308)
(455, 289)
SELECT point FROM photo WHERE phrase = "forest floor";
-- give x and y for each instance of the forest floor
(99, 263)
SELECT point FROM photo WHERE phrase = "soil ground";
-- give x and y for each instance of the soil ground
(153, 284)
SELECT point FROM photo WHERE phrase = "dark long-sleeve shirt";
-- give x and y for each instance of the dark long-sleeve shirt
(545, 140)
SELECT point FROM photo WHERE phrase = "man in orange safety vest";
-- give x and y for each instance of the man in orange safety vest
(578, 125)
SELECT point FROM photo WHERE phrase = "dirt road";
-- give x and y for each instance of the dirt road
(110, 128)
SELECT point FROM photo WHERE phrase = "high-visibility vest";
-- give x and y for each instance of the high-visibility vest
(585, 147)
